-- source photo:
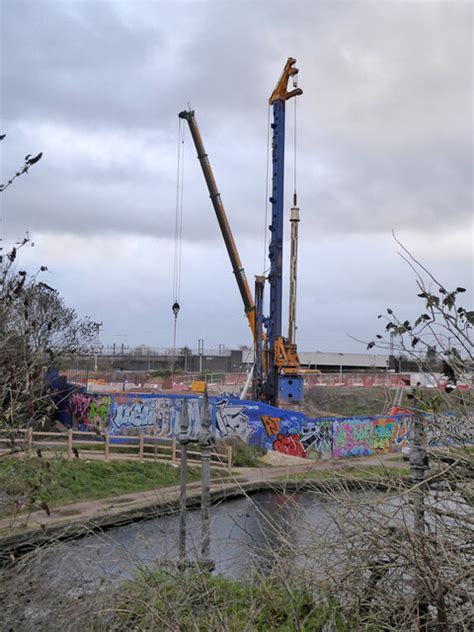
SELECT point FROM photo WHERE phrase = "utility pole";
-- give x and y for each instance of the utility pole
(183, 438)
(205, 443)
(200, 352)
(96, 345)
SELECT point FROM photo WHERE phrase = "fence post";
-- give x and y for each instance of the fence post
(107, 446)
(69, 443)
(229, 457)
(173, 450)
(29, 442)
(141, 446)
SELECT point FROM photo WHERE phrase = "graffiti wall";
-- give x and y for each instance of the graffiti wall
(284, 431)
(361, 436)
(128, 413)
(451, 429)
(352, 437)
(89, 410)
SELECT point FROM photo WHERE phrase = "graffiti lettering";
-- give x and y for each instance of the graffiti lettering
(79, 407)
(451, 429)
(99, 411)
(137, 415)
(232, 421)
(317, 437)
(352, 437)
(89, 410)
(289, 444)
(271, 424)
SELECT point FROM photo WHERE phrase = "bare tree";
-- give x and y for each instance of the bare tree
(29, 162)
(37, 330)
(405, 560)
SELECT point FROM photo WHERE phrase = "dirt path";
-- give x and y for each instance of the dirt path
(87, 511)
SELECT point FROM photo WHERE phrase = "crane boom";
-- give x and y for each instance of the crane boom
(224, 225)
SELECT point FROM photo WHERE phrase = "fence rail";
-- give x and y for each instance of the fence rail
(142, 447)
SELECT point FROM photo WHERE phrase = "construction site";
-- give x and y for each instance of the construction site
(143, 389)
(234, 487)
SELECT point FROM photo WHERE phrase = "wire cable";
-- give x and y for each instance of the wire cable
(180, 222)
(265, 231)
(176, 217)
(178, 236)
(294, 155)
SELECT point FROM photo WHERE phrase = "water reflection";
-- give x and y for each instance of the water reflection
(248, 535)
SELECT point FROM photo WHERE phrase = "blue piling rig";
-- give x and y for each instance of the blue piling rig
(278, 378)
(284, 384)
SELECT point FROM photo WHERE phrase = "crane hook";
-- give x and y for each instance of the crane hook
(176, 309)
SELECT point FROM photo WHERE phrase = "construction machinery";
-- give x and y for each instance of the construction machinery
(284, 383)
(278, 377)
(221, 215)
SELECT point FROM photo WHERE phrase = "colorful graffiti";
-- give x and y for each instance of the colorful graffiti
(285, 431)
(156, 415)
(390, 433)
(89, 410)
(79, 407)
(317, 437)
(271, 424)
(289, 444)
(352, 437)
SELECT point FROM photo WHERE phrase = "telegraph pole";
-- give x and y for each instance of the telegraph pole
(200, 352)
(96, 345)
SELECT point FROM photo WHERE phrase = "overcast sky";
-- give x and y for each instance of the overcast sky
(384, 131)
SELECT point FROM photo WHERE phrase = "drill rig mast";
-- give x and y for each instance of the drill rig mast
(278, 377)
(284, 383)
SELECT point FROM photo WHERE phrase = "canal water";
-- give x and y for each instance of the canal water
(248, 534)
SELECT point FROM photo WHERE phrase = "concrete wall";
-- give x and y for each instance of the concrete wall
(288, 432)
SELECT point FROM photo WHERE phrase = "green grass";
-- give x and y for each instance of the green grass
(243, 455)
(156, 601)
(366, 472)
(351, 401)
(396, 458)
(58, 481)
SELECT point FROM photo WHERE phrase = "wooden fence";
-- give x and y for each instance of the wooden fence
(79, 444)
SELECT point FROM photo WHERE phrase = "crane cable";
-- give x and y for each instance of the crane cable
(178, 233)
(267, 167)
(294, 154)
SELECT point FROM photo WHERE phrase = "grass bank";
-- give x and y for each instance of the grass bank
(198, 601)
(58, 481)
(359, 472)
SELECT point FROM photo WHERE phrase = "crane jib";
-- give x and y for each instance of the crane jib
(218, 206)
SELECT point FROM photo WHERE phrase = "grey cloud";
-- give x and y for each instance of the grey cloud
(384, 125)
